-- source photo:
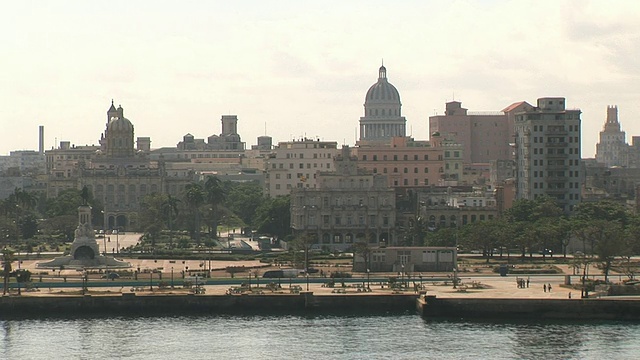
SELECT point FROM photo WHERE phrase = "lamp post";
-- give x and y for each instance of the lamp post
(307, 275)
(151, 280)
(402, 275)
(19, 277)
(117, 242)
(172, 277)
(368, 279)
(104, 235)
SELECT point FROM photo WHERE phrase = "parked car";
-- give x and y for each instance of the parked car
(111, 276)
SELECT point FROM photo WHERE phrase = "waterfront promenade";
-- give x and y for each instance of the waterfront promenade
(482, 285)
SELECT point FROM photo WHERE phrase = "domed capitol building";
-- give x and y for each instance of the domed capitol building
(382, 118)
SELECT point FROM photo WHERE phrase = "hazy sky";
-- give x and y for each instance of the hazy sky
(303, 67)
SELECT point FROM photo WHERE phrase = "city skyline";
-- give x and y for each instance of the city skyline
(304, 69)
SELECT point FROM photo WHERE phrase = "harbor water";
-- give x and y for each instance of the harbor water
(393, 336)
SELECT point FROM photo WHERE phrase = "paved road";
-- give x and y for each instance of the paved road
(114, 242)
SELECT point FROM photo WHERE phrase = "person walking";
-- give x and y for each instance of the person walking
(549, 287)
(544, 287)
(528, 281)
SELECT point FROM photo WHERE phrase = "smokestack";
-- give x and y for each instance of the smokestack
(41, 140)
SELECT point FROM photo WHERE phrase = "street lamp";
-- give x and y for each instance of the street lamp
(402, 275)
(172, 277)
(151, 280)
(104, 235)
(368, 278)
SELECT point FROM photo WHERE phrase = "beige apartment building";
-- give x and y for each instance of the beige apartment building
(293, 164)
(348, 206)
(548, 157)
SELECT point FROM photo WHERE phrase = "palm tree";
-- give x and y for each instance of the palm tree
(215, 196)
(7, 259)
(170, 210)
(195, 197)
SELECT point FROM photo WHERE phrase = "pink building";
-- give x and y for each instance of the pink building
(405, 162)
(484, 136)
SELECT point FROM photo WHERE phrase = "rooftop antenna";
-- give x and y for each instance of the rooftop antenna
(265, 128)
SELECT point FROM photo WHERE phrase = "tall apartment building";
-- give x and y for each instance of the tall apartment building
(382, 118)
(348, 206)
(548, 153)
(612, 150)
(293, 164)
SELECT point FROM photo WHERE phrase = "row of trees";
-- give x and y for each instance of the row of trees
(201, 210)
(603, 231)
(208, 205)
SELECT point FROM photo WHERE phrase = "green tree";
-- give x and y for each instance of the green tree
(274, 216)
(151, 216)
(215, 196)
(243, 199)
(170, 212)
(7, 259)
(194, 198)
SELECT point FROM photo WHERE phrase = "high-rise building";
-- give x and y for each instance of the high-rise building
(382, 118)
(548, 153)
(612, 150)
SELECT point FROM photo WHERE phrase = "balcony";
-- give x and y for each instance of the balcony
(556, 178)
(556, 144)
(556, 132)
(556, 156)
(556, 191)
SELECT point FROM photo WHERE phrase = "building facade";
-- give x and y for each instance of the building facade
(548, 160)
(612, 149)
(348, 206)
(118, 174)
(293, 165)
(484, 136)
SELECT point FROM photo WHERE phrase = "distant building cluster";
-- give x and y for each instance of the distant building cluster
(471, 166)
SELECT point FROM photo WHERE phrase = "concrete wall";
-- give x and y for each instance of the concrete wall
(582, 309)
(30, 306)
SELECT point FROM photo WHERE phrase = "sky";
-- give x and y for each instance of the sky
(293, 69)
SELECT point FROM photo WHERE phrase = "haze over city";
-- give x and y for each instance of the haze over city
(301, 68)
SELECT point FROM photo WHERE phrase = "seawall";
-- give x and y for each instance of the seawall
(579, 309)
(115, 305)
